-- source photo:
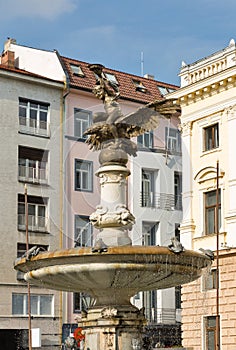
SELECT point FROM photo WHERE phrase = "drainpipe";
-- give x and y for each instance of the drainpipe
(217, 260)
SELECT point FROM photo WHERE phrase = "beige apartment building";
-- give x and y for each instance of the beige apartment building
(30, 153)
(208, 100)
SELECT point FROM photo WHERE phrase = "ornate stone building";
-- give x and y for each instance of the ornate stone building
(208, 100)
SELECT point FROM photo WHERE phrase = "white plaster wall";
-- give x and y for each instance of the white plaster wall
(38, 61)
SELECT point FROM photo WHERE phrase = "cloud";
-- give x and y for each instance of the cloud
(45, 9)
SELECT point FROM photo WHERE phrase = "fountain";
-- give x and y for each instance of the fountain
(113, 270)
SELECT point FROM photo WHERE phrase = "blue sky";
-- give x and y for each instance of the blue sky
(115, 33)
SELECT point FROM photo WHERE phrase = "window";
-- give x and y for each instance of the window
(82, 120)
(210, 211)
(83, 175)
(178, 190)
(164, 90)
(147, 188)
(32, 165)
(150, 305)
(37, 213)
(210, 280)
(210, 332)
(41, 305)
(149, 230)
(145, 140)
(139, 86)
(33, 117)
(111, 77)
(82, 301)
(83, 232)
(173, 140)
(178, 297)
(77, 70)
(211, 137)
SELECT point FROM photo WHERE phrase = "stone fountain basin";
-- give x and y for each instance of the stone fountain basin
(114, 276)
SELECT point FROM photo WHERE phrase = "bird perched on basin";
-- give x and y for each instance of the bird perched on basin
(176, 246)
(208, 253)
(35, 250)
(99, 247)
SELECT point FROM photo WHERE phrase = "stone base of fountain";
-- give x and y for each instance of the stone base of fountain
(113, 328)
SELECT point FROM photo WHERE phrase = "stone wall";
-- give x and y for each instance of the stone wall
(197, 304)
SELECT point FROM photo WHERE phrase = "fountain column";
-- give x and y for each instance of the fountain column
(112, 217)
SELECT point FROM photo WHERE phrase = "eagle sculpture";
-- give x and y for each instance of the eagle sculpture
(114, 128)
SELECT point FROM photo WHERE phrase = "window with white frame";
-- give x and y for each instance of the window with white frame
(33, 117)
(149, 232)
(173, 139)
(41, 304)
(83, 175)
(148, 195)
(211, 137)
(145, 140)
(111, 77)
(164, 89)
(32, 165)
(178, 190)
(77, 70)
(210, 211)
(83, 231)
(82, 120)
(37, 213)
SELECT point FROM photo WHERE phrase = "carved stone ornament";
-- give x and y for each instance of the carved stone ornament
(109, 312)
(121, 217)
(112, 178)
(185, 128)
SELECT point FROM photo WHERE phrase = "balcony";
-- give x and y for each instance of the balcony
(163, 201)
(162, 316)
(35, 223)
(32, 174)
(34, 127)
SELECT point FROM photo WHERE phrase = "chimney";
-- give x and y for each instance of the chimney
(8, 43)
(8, 59)
(149, 76)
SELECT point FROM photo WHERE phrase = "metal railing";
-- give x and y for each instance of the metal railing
(161, 200)
(35, 223)
(36, 175)
(34, 127)
(162, 316)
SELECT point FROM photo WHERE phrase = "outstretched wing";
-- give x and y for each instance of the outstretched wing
(144, 118)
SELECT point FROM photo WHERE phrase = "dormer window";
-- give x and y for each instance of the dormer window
(111, 77)
(165, 90)
(139, 86)
(77, 70)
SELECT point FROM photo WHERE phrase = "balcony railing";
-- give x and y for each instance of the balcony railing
(31, 174)
(163, 201)
(34, 127)
(162, 316)
(35, 223)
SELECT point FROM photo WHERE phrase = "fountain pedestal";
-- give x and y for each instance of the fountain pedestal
(113, 328)
(112, 217)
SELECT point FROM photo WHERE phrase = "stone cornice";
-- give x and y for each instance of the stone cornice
(205, 88)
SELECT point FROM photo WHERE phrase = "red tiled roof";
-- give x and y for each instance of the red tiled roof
(127, 88)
